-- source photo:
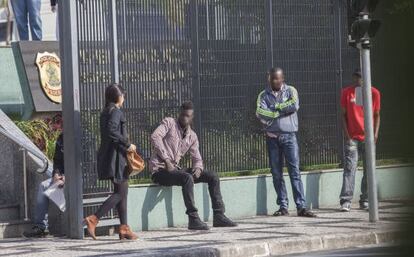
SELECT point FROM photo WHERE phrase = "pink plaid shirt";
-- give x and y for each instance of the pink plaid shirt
(170, 141)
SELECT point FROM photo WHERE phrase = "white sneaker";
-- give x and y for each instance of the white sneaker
(364, 206)
(345, 207)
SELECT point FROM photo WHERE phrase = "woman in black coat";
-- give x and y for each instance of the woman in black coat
(112, 162)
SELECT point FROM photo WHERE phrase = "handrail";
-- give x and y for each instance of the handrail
(43, 158)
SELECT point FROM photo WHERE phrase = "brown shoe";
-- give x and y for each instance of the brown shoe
(126, 233)
(91, 222)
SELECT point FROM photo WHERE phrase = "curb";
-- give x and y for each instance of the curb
(286, 245)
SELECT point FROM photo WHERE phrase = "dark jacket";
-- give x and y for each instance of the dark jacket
(278, 114)
(114, 145)
(53, 2)
(58, 164)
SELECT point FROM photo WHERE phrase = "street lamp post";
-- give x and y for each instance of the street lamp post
(361, 28)
(369, 131)
(69, 53)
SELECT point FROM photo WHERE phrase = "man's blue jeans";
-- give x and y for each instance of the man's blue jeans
(28, 12)
(42, 205)
(285, 147)
(352, 149)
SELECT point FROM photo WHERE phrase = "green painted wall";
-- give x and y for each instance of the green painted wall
(10, 90)
(14, 95)
(153, 207)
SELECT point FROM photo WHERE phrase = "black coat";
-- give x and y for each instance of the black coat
(114, 144)
(58, 164)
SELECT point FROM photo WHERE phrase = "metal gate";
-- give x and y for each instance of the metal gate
(216, 53)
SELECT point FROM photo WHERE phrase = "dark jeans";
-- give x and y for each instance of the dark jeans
(42, 205)
(119, 200)
(352, 149)
(285, 146)
(185, 179)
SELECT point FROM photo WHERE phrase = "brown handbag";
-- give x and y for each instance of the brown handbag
(135, 163)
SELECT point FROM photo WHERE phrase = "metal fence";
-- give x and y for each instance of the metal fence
(216, 53)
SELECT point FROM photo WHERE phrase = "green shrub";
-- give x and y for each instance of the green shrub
(3, 3)
(42, 132)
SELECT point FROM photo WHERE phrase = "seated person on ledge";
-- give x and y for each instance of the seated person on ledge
(172, 140)
(40, 220)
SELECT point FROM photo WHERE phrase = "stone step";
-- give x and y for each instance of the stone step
(9, 212)
(12, 229)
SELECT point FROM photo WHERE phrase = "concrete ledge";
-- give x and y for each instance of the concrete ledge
(288, 245)
(153, 207)
(12, 229)
(243, 250)
(295, 245)
(389, 237)
(348, 240)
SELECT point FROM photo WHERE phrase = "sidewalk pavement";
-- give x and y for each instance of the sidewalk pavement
(255, 236)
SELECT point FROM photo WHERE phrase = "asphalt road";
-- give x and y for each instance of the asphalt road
(382, 251)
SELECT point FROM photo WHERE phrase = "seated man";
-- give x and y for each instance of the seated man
(40, 220)
(172, 140)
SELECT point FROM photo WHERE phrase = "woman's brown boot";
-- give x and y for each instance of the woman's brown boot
(91, 222)
(126, 233)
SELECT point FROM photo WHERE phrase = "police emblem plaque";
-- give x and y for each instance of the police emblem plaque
(48, 65)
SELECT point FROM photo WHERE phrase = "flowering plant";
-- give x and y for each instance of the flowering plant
(43, 132)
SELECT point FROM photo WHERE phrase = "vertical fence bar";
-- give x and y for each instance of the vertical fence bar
(339, 73)
(114, 43)
(26, 206)
(269, 33)
(68, 43)
(195, 63)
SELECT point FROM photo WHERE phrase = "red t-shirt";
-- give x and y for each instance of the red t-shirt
(355, 111)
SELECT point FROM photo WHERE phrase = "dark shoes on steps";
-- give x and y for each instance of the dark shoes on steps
(301, 213)
(195, 223)
(219, 220)
(36, 232)
(306, 213)
(281, 212)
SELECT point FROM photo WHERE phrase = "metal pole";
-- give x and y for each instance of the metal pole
(8, 31)
(195, 63)
(339, 78)
(369, 129)
(69, 53)
(26, 209)
(114, 52)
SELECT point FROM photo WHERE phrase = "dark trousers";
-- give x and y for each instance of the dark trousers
(186, 180)
(119, 200)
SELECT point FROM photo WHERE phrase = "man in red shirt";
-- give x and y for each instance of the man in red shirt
(353, 125)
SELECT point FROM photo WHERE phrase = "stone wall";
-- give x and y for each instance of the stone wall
(12, 184)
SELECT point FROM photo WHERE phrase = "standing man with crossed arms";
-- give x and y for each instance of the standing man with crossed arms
(277, 108)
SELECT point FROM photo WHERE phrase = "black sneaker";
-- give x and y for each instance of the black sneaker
(281, 212)
(220, 220)
(306, 213)
(35, 232)
(194, 223)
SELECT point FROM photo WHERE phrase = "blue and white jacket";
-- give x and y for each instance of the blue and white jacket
(278, 113)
